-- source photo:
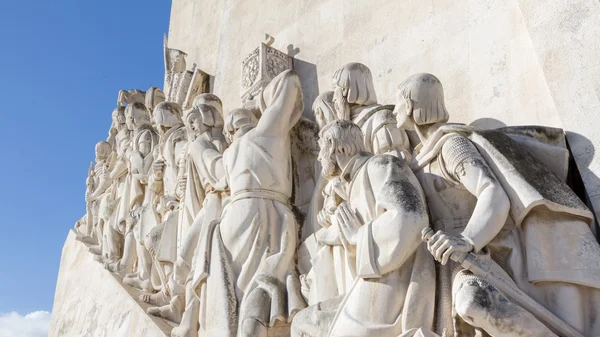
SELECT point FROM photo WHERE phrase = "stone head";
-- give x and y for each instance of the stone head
(103, 150)
(202, 118)
(352, 85)
(209, 99)
(238, 122)
(420, 101)
(324, 109)
(118, 116)
(167, 115)
(136, 115)
(338, 140)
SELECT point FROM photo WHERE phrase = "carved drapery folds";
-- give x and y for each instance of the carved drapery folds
(267, 223)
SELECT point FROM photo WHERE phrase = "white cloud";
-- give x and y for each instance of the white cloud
(34, 324)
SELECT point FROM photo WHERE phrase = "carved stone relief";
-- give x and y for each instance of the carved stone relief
(265, 223)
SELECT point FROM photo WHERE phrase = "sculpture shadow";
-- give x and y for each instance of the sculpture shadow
(308, 79)
(585, 152)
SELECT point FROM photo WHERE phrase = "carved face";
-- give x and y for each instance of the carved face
(195, 125)
(341, 104)
(129, 121)
(403, 118)
(327, 159)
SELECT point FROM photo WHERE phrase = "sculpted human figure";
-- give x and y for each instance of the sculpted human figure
(379, 226)
(355, 100)
(114, 207)
(139, 159)
(204, 171)
(97, 183)
(488, 196)
(161, 241)
(258, 229)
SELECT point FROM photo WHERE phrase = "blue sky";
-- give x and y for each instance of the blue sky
(61, 66)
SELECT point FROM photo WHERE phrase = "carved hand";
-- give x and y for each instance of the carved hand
(348, 221)
(323, 218)
(441, 245)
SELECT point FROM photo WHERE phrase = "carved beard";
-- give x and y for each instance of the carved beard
(342, 107)
(330, 169)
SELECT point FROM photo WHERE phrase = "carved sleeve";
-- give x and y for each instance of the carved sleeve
(281, 105)
(385, 243)
(469, 168)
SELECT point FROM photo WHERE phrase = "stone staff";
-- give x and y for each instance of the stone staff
(492, 273)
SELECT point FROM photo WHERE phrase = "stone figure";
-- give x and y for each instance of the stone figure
(101, 182)
(324, 111)
(355, 100)
(161, 241)
(204, 171)
(379, 227)
(113, 208)
(489, 196)
(97, 183)
(258, 231)
(138, 158)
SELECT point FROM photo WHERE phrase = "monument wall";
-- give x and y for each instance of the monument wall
(507, 62)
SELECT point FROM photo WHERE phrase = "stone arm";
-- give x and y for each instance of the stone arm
(385, 244)
(208, 160)
(119, 170)
(466, 165)
(281, 105)
(104, 182)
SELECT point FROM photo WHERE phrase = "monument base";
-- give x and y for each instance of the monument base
(91, 301)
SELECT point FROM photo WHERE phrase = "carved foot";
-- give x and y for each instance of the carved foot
(117, 267)
(99, 258)
(96, 250)
(159, 299)
(168, 312)
(136, 282)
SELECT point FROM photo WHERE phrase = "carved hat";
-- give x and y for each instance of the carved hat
(208, 113)
(168, 114)
(209, 99)
(425, 98)
(138, 111)
(238, 118)
(357, 82)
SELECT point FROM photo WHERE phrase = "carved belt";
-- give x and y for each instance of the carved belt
(260, 193)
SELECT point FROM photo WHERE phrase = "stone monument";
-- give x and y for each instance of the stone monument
(340, 194)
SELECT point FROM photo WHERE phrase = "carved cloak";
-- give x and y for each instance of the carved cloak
(558, 258)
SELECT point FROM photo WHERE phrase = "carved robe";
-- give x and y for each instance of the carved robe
(141, 198)
(381, 136)
(171, 147)
(546, 245)
(393, 289)
(258, 228)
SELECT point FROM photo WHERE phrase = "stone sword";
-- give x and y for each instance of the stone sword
(490, 271)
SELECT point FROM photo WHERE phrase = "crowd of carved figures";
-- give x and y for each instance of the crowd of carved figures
(260, 221)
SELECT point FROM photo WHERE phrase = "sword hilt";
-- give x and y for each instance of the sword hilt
(459, 257)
